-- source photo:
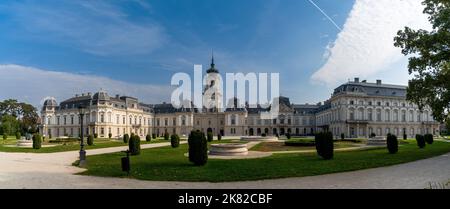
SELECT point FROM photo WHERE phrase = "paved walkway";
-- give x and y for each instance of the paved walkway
(54, 170)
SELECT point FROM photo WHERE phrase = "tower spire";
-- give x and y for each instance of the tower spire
(212, 58)
(212, 69)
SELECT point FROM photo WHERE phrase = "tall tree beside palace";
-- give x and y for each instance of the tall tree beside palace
(430, 59)
(17, 116)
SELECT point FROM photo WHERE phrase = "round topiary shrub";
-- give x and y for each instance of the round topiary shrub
(110, 135)
(148, 138)
(18, 135)
(5, 136)
(210, 136)
(90, 140)
(324, 145)
(392, 143)
(37, 141)
(135, 145)
(95, 135)
(264, 135)
(198, 148)
(126, 138)
(166, 136)
(219, 137)
(420, 141)
(174, 140)
(429, 138)
(154, 136)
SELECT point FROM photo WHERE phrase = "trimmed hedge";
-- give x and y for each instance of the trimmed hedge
(300, 143)
(392, 143)
(429, 138)
(288, 136)
(110, 135)
(342, 136)
(198, 148)
(5, 136)
(37, 141)
(166, 136)
(90, 140)
(126, 138)
(175, 140)
(135, 145)
(148, 138)
(324, 145)
(219, 137)
(153, 136)
(210, 136)
(420, 141)
(18, 135)
(95, 135)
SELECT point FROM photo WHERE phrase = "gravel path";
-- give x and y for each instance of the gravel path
(54, 170)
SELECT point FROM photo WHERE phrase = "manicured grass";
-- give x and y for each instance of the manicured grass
(170, 164)
(280, 146)
(71, 146)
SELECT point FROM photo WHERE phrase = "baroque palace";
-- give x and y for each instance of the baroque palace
(355, 109)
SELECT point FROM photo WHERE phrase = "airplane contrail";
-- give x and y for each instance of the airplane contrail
(325, 14)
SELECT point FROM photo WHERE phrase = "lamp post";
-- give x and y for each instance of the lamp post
(81, 111)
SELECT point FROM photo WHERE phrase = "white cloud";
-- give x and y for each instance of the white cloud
(32, 85)
(96, 27)
(364, 47)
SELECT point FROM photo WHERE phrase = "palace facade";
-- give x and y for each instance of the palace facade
(355, 109)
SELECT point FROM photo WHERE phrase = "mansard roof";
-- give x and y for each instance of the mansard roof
(371, 89)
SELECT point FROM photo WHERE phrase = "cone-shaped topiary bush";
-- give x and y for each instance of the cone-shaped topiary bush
(95, 135)
(148, 138)
(198, 148)
(166, 136)
(18, 135)
(392, 143)
(110, 135)
(174, 140)
(324, 145)
(288, 135)
(219, 137)
(210, 136)
(429, 138)
(154, 136)
(342, 136)
(5, 136)
(420, 141)
(126, 138)
(90, 140)
(135, 145)
(37, 141)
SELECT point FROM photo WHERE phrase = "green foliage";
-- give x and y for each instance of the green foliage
(405, 137)
(126, 138)
(219, 137)
(198, 148)
(166, 136)
(49, 136)
(174, 140)
(110, 135)
(37, 141)
(429, 61)
(135, 145)
(21, 117)
(148, 138)
(392, 143)
(18, 135)
(288, 135)
(372, 135)
(210, 136)
(324, 145)
(90, 140)
(5, 136)
(429, 138)
(154, 136)
(9, 125)
(263, 134)
(342, 136)
(420, 141)
(95, 135)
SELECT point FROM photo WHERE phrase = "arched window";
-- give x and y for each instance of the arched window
(387, 115)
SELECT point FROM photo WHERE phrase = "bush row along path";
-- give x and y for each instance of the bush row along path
(54, 170)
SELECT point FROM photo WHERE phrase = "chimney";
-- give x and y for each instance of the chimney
(356, 80)
(378, 82)
(117, 96)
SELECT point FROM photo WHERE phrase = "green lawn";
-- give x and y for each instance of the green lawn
(280, 146)
(170, 164)
(72, 146)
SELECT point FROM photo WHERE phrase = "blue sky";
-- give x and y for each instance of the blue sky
(144, 43)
